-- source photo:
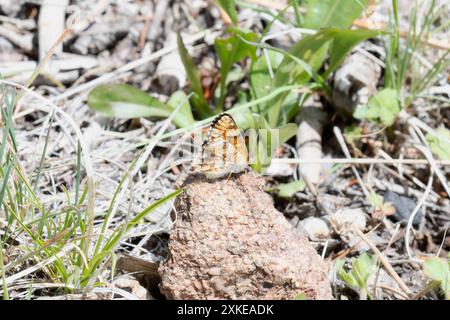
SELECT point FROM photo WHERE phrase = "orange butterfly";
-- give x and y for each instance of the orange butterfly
(224, 151)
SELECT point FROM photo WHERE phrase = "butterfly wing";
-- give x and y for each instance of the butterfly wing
(224, 150)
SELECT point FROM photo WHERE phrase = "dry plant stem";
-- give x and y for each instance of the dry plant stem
(340, 138)
(364, 161)
(417, 208)
(393, 290)
(49, 54)
(39, 265)
(433, 285)
(143, 36)
(434, 43)
(385, 250)
(129, 66)
(384, 261)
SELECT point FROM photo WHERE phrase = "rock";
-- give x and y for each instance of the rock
(316, 229)
(129, 284)
(229, 242)
(404, 206)
(344, 220)
(355, 81)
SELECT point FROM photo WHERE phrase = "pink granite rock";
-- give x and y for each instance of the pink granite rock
(229, 242)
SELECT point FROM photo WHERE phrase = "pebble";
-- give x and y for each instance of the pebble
(404, 206)
(316, 229)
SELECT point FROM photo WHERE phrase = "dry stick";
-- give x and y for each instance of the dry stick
(427, 153)
(358, 161)
(384, 261)
(129, 66)
(433, 285)
(144, 32)
(385, 251)
(340, 138)
(418, 206)
(42, 64)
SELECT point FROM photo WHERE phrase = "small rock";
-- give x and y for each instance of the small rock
(344, 220)
(404, 206)
(133, 286)
(316, 229)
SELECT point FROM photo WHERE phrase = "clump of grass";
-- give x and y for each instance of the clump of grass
(65, 248)
(405, 59)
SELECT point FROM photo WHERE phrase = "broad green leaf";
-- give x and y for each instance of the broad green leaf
(382, 107)
(352, 133)
(260, 79)
(436, 269)
(290, 71)
(184, 117)
(439, 144)
(230, 8)
(198, 100)
(286, 132)
(311, 50)
(287, 190)
(268, 140)
(343, 43)
(345, 276)
(439, 270)
(125, 101)
(363, 267)
(332, 13)
(231, 50)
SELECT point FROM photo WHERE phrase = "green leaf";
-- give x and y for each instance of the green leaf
(311, 50)
(301, 296)
(260, 79)
(343, 43)
(382, 107)
(231, 50)
(362, 268)
(125, 101)
(184, 117)
(439, 270)
(198, 100)
(347, 277)
(332, 13)
(436, 269)
(439, 144)
(230, 8)
(352, 133)
(375, 199)
(287, 190)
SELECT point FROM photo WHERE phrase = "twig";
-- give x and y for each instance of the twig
(340, 138)
(428, 288)
(359, 161)
(416, 209)
(384, 261)
(144, 32)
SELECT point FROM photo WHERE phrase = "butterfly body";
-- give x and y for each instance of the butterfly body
(224, 151)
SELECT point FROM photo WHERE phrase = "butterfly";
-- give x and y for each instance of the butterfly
(223, 152)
